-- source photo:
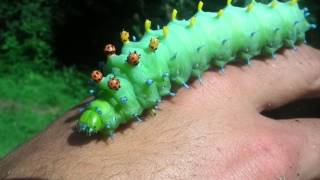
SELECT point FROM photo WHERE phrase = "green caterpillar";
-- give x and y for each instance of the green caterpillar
(146, 70)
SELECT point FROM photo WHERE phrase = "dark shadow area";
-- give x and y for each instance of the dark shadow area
(306, 108)
(88, 26)
(73, 118)
(78, 139)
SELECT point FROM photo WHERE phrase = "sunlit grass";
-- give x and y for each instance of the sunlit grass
(30, 100)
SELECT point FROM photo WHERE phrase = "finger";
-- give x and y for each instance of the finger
(309, 129)
(293, 74)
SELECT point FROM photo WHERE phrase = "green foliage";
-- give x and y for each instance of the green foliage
(29, 102)
(27, 31)
(32, 92)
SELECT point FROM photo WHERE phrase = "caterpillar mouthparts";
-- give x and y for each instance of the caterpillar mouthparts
(145, 70)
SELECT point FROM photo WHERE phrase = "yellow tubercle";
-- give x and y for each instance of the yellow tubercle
(174, 14)
(200, 5)
(165, 31)
(147, 25)
(124, 36)
(229, 2)
(192, 21)
(274, 3)
(220, 13)
(294, 2)
(250, 6)
(154, 44)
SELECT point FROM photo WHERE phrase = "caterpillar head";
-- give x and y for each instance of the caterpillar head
(90, 122)
(97, 117)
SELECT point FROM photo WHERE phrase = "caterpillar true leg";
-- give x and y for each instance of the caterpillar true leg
(138, 118)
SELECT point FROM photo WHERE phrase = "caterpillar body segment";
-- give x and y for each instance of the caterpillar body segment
(124, 101)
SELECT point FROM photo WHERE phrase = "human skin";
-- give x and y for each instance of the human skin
(210, 131)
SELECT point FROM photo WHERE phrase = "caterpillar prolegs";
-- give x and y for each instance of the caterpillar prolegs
(145, 70)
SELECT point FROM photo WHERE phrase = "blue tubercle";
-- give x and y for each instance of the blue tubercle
(149, 82)
(172, 94)
(186, 85)
(92, 92)
(313, 26)
(98, 111)
(124, 100)
(165, 75)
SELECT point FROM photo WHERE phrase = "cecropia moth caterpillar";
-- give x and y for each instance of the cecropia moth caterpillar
(146, 70)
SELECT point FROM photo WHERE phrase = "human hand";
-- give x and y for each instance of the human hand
(210, 131)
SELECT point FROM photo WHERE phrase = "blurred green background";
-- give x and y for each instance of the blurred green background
(48, 49)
